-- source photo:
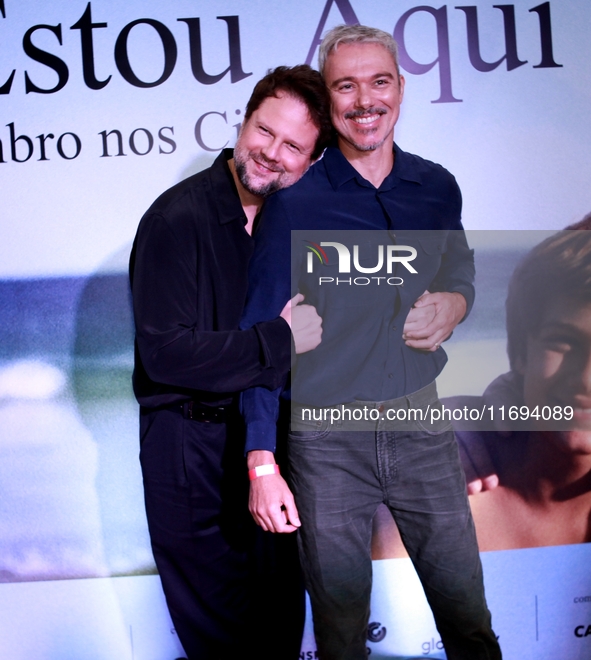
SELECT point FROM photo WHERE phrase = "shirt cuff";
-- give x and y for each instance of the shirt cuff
(277, 344)
(261, 435)
(467, 290)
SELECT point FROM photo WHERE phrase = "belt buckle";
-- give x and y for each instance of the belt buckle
(204, 414)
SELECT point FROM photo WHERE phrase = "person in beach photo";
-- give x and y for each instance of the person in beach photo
(543, 466)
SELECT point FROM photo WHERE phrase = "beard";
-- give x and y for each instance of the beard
(360, 113)
(263, 189)
(368, 147)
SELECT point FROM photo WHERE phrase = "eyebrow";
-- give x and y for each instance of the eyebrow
(561, 326)
(338, 81)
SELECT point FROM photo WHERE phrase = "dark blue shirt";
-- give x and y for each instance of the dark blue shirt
(362, 355)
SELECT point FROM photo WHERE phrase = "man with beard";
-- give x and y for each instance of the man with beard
(188, 274)
(373, 357)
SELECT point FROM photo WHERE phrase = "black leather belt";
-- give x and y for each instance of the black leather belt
(208, 414)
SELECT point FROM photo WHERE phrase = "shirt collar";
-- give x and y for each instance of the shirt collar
(224, 190)
(340, 170)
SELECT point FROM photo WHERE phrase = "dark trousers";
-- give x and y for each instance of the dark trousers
(230, 588)
(340, 476)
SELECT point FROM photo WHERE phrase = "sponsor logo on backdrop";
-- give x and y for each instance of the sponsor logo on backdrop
(376, 632)
(431, 646)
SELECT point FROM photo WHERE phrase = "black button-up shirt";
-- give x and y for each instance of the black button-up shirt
(188, 274)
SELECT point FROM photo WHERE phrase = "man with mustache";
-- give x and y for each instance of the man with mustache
(188, 273)
(376, 355)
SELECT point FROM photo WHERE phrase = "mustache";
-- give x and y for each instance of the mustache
(374, 110)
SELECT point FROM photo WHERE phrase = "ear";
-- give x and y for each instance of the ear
(401, 86)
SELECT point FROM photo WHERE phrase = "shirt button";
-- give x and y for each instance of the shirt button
(381, 409)
(390, 375)
(393, 327)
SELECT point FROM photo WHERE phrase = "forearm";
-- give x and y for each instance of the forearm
(456, 273)
(217, 361)
(260, 410)
(271, 502)
(259, 457)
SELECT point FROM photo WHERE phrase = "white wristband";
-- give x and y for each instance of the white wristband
(263, 470)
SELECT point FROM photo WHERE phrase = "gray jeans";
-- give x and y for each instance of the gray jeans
(340, 475)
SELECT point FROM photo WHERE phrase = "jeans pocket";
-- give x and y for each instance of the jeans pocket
(433, 421)
(308, 429)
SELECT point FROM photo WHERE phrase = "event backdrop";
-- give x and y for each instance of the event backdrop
(106, 104)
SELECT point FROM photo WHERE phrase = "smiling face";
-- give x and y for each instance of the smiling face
(557, 369)
(366, 92)
(275, 145)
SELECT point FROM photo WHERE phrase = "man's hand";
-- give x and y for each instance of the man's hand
(418, 318)
(432, 319)
(477, 463)
(271, 502)
(305, 324)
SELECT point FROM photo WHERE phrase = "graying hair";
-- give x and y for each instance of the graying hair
(353, 34)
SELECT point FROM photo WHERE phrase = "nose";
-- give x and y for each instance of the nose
(271, 149)
(363, 99)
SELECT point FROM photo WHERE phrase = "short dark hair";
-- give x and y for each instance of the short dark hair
(559, 267)
(301, 82)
